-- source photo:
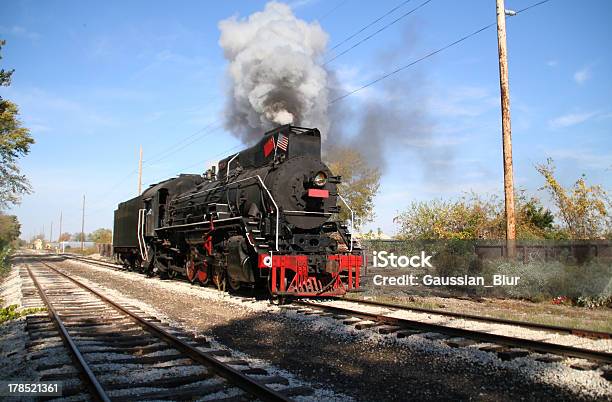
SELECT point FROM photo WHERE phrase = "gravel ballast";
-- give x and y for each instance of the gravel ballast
(102, 361)
(362, 364)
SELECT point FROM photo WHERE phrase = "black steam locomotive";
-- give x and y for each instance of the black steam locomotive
(264, 219)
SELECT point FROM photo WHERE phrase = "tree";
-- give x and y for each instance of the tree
(9, 229)
(536, 215)
(5, 75)
(38, 237)
(583, 209)
(64, 237)
(474, 217)
(78, 236)
(102, 236)
(15, 142)
(470, 217)
(533, 220)
(359, 185)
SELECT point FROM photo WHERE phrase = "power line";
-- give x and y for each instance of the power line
(370, 24)
(433, 53)
(178, 143)
(225, 152)
(162, 155)
(411, 64)
(340, 4)
(206, 134)
(215, 156)
(148, 184)
(377, 32)
(101, 203)
(532, 6)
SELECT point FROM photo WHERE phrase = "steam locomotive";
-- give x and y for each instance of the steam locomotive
(265, 219)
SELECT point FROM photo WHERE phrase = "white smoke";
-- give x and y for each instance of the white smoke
(274, 71)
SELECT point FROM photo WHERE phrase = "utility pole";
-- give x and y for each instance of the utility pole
(83, 225)
(140, 172)
(59, 238)
(506, 130)
(51, 232)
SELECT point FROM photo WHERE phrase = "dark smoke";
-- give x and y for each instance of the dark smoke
(276, 78)
(392, 115)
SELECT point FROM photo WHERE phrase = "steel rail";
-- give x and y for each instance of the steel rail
(94, 384)
(92, 261)
(234, 376)
(534, 345)
(526, 324)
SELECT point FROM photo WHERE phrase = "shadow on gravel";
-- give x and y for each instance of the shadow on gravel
(377, 372)
(13, 364)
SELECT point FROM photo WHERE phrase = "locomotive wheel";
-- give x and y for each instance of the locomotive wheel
(191, 271)
(160, 268)
(202, 275)
(134, 264)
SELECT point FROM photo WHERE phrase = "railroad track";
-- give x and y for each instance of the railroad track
(585, 333)
(581, 332)
(95, 262)
(505, 346)
(386, 321)
(120, 353)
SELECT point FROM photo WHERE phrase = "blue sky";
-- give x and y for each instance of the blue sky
(94, 81)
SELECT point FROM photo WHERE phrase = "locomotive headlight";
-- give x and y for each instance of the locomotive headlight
(320, 179)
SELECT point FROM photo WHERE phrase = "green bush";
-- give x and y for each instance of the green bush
(594, 301)
(11, 313)
(4, 260)
(589, 284)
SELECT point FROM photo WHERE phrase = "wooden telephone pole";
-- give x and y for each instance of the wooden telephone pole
(59, 238)
(140, 172)
(83, 225)
(506, 130)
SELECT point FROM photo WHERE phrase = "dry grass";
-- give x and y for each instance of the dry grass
(87, 251)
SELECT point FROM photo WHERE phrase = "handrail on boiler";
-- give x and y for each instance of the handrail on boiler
(275, 206)
(142, 247)
(138, 231)
(352, 217)
(229, 163)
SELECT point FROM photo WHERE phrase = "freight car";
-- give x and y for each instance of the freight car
(265, 219)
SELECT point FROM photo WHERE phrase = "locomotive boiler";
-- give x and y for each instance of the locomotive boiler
(265, 218)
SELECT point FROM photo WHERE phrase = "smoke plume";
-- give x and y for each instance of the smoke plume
(276, 77)
(274, 71)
